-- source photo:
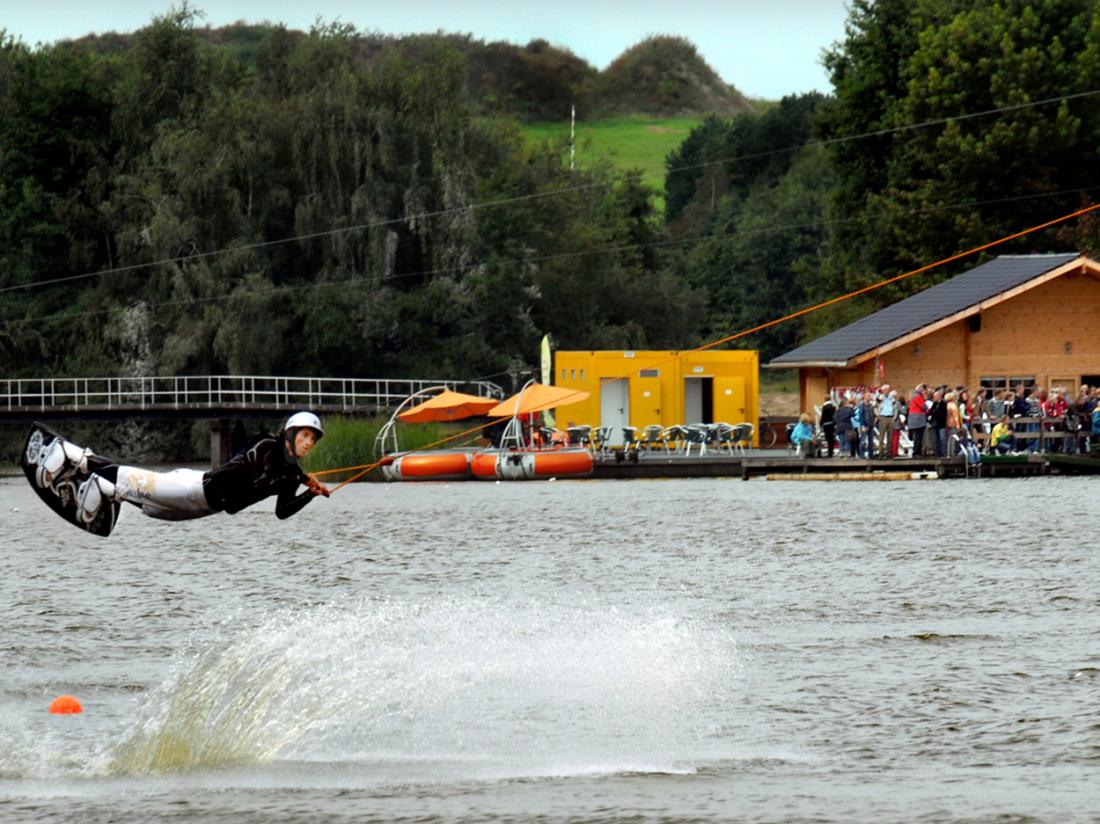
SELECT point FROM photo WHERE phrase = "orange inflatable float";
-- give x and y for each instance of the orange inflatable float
(489, 465)
(519, 459)
(436, 465)
(527, 465)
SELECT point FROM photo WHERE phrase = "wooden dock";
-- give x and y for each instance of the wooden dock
(785, 467)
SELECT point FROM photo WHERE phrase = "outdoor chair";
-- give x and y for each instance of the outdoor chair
(674, 437)
(601, 439)
(630, 437)
(721, 434)
(712, 434)
(740, 436)
(653, 438)
(696, 435)
(580, 435)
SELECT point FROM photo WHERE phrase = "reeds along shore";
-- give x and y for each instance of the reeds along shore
(350, 441)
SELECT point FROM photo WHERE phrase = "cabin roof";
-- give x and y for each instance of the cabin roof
(959, 294)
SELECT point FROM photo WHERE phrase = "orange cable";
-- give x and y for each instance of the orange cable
(762, 326)
(896, 278)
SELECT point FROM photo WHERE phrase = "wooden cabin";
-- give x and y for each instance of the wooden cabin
(1030, 319)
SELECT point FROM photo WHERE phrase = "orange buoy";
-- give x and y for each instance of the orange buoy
(65, 705)
(430, 465)
(528, 464)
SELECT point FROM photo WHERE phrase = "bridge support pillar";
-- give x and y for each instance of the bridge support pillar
(219, 441)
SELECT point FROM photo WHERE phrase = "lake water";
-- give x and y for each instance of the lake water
(708, 650)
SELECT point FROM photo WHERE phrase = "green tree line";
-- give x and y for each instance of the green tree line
(303, 211)
(311, 204)
(823, 195)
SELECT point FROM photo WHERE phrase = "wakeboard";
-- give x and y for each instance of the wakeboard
(60, 494)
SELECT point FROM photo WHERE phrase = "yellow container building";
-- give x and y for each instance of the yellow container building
(639, 389)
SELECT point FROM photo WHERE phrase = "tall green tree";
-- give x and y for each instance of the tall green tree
(297, 207)
(916, 192)
(745, 205)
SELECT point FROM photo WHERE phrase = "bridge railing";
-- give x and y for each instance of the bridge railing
(220, 391)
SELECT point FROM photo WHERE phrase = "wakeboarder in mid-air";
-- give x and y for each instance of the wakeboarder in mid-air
(88, 490)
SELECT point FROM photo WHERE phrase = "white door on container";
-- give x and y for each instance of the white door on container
(693, 400)
(615, 407)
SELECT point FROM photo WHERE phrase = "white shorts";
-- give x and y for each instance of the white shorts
(171, 496)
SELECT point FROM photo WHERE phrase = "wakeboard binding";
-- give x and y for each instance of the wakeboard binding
(63, 476)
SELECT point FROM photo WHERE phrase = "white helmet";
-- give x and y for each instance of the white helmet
(300, 419)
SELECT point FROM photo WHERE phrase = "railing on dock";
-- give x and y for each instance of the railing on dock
(196, 392)
(1047, 433)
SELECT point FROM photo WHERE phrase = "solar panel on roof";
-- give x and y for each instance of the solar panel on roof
(981, 283)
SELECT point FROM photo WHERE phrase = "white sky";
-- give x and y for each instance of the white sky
(765, 49)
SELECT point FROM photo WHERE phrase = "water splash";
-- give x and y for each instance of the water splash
(517, 689)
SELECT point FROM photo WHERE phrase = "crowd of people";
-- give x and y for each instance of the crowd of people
(881, 422)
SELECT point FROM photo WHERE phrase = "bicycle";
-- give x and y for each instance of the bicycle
(768, 436)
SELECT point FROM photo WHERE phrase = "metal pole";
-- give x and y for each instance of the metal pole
(572, 138)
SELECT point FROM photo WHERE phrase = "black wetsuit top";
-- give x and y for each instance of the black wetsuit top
(260, 471)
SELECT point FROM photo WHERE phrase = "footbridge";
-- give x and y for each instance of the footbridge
(221, 399)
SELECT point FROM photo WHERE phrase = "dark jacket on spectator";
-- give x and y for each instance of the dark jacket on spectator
(937, 415)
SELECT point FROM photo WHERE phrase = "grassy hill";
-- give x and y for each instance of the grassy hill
(661, 76)
(632, 114)
(629, 142)
(666, 75)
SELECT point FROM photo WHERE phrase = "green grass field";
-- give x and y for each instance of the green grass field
(635, 142)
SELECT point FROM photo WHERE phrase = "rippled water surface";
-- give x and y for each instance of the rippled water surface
(709, 649)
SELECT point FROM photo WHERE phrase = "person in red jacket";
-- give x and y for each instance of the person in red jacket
(916, 420)
(1055, 408)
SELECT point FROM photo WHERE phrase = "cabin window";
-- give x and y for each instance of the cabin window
(1067, 384)
(993, 385)
(582, 375)
(650, 373)
(997, 383)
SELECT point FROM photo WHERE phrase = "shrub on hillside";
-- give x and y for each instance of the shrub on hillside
(666, 75)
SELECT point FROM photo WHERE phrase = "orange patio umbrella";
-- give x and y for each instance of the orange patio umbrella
(448, 406)
(537, 397)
